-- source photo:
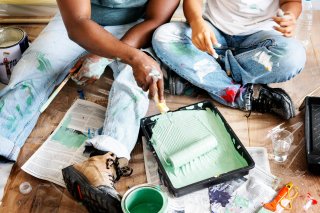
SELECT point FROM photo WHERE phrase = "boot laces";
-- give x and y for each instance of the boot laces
(120, 171)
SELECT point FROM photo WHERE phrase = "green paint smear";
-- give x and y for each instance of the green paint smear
(44, 63)
(183, 49)
(12, 123)
(26, 86)
(1, 105)
(241, 202)
(29, 100)
(189, 127)
(69, 137)
(19, 110)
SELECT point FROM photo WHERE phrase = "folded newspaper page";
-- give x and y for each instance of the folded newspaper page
(65, 145)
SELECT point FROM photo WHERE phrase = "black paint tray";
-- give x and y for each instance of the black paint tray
(148, 123)
(312, 133)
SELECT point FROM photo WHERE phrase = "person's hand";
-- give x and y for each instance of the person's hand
(203, 37)
(287, 24)
(142, 67)
(89, 68)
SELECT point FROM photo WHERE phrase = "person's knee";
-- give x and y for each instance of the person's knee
(167, 33)
(292, 57)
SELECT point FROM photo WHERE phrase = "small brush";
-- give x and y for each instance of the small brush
(162, 106)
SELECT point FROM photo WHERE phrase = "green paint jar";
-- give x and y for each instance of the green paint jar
(144, 198)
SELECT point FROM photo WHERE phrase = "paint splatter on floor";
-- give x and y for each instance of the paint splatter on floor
(44, 63)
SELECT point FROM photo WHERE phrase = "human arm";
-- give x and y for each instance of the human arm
(157, 14)
(202, 37)
(76, 15)
(292, 10)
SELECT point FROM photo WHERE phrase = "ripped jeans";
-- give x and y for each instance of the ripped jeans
(43, 66)
(260, 58)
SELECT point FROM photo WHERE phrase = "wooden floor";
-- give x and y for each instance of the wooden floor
(252, 131)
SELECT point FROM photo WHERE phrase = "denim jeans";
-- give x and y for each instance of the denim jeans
(260, 58)
(44, 65)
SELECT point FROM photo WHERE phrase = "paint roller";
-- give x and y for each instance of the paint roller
(192, 151)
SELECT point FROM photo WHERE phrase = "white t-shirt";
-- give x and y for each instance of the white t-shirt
(241, 17)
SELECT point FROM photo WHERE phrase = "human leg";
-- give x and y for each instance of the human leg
(127, 104)
(172, 44)
(267, 57)
(93, 180)
(262, 58)
(42, 66)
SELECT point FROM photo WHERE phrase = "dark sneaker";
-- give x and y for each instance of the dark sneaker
(175, 85)
(92, 182)
(261, 98)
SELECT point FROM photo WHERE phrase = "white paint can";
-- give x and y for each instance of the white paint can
(13, 42)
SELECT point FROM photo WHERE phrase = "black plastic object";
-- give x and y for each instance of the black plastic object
(147, 124)
(312, 133)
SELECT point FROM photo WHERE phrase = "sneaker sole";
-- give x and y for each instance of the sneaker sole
(287, 99)
(91, 197)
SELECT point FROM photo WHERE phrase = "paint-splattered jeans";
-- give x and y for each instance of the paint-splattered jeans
(44, 65)
(261, 58)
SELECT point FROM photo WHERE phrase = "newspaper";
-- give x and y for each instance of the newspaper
(5, 168)
(222, 197)
(65, 145)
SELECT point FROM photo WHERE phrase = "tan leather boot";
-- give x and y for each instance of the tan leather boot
(92, 182)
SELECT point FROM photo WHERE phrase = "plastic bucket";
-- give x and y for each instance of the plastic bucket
(13, 42)
(144, 199)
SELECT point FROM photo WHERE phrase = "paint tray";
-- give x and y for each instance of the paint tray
(191, 182)
(312, 133)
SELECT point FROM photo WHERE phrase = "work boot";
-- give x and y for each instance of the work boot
(92, 182)
(261, 98)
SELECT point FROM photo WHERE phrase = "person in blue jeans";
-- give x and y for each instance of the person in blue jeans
(234, 50)
(89, 35)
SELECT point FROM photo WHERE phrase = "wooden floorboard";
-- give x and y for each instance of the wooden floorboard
(252, 131)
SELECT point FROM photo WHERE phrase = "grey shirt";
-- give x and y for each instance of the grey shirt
(117, 12)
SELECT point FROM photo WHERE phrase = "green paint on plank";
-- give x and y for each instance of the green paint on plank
(44, 63)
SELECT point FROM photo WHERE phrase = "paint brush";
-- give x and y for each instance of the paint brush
(162, 106)
(54, 94)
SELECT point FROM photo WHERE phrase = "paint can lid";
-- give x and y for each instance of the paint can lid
(25, 188)
(10, 36)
